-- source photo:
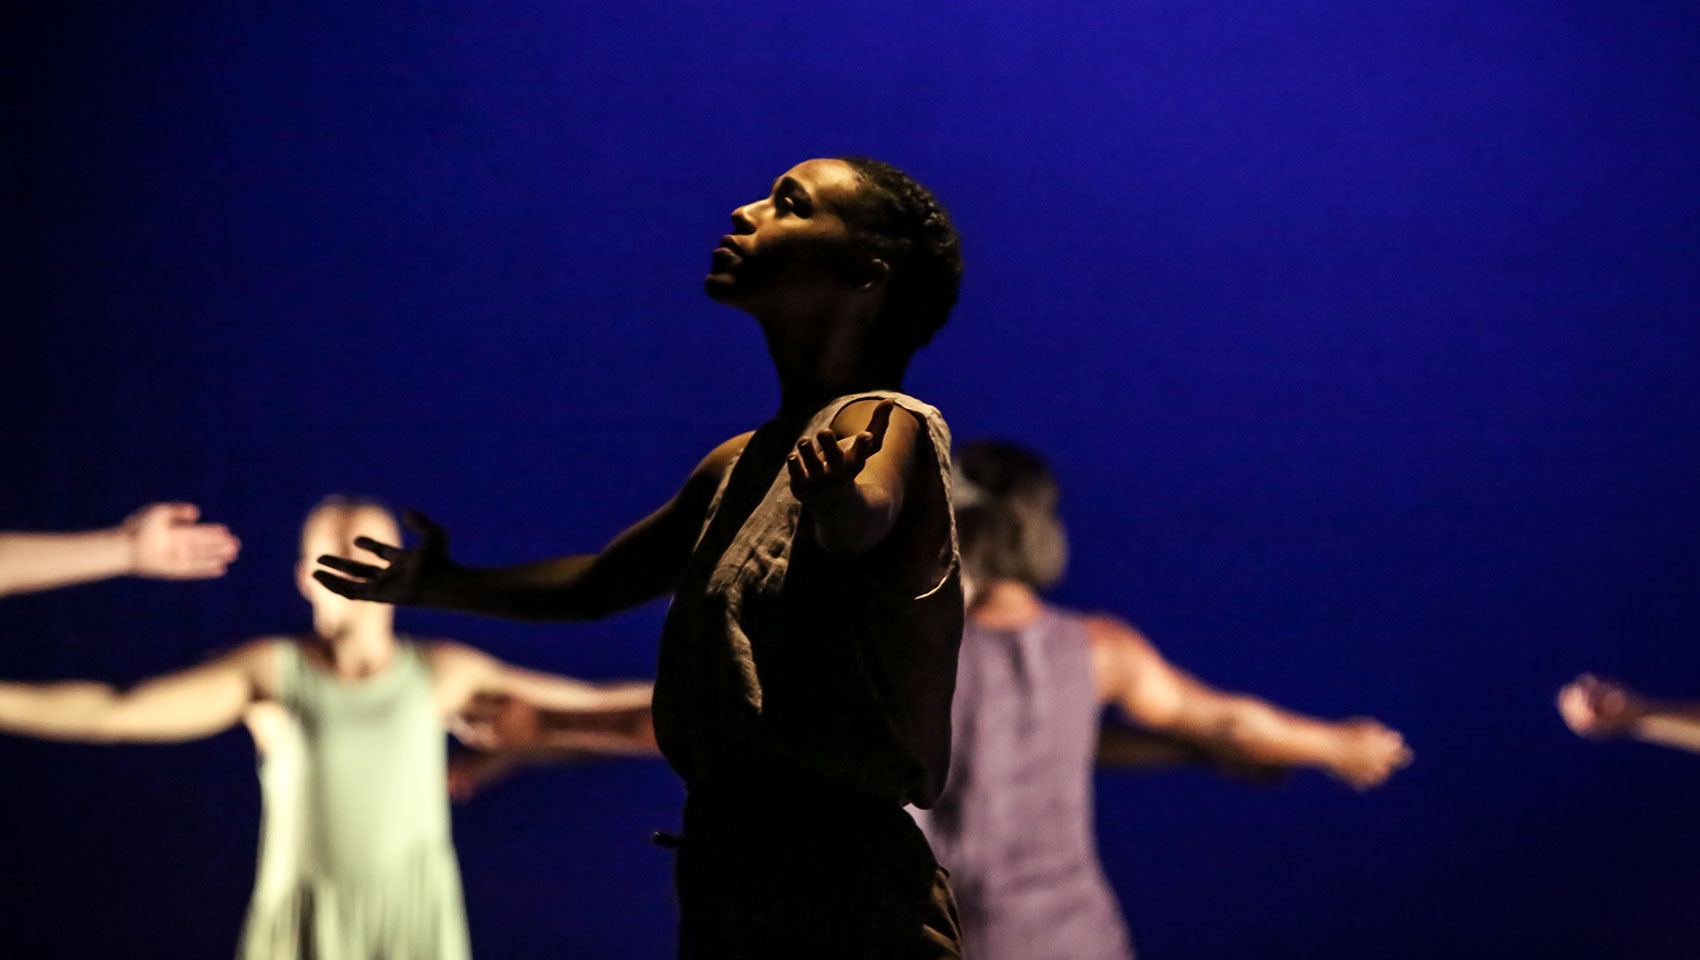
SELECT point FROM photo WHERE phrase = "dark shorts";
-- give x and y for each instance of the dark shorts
(809, 873)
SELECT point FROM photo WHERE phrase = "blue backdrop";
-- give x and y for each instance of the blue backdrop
(1362, 337)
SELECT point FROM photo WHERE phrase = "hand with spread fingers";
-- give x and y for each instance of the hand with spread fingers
(168, 543)
(162, 541)
(828, 463)
(417, 576)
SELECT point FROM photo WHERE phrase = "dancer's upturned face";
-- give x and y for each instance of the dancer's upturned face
(791, 248)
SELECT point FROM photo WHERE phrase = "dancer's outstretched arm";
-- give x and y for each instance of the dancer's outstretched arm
(494, 700)
(1600, 708)
(197, 702)
(639, 565)
(1154, 693)
(161, 540)
(461, 672)
(507, 734)
(851, 478)
(514, 717)
(1122, 747)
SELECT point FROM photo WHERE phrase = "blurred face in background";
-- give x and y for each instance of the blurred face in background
(333, 528)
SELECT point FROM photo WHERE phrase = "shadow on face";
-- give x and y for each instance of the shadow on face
(792, 252)
(332, 527)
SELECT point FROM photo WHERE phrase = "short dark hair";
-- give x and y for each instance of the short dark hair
(1006, 515)
(902, 223)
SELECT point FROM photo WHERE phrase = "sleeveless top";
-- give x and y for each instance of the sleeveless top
(355, 855)
(782, 661)
(1014, 825)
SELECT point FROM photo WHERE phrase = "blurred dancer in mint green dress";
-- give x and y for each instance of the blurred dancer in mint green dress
(356, 859)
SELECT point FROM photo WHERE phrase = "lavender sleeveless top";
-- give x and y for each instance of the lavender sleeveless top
(1014, 824)
(781, 660)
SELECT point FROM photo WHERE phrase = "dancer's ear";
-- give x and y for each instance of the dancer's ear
(873, 274)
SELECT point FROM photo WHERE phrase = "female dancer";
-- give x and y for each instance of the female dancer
(1014, 824)
(355, 855)
(803, 687)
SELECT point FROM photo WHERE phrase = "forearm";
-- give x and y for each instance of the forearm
(553, 692)
(72, 710)
(625, 731)
(1252, 731)
(1669, 724)
(1121, 748)
(852, 519)
(554, 589)
(617, 698)
(42, 561)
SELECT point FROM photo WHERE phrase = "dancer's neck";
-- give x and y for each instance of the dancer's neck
(819, 361)
(1006, 605)
(358, 648)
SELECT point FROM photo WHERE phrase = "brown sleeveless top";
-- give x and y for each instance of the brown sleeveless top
(779, 657)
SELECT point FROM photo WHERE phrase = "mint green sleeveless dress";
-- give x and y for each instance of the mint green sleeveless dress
(355, 857)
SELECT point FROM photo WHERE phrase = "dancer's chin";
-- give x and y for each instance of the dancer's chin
(721, 288)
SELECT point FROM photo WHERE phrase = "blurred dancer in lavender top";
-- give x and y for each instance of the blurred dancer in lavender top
(1014, 824)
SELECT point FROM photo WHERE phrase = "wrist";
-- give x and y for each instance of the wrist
(120, 544)
(1341, 757)
(832, 499)
(1636, 717)
(832, 511)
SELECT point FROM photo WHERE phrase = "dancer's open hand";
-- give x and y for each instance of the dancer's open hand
(167, 542)
(828, 463)
(411, 576)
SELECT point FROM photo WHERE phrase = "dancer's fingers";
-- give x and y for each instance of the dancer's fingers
(385, 551)
(353, 568)
(811, 461)
(831, 453)
(878, 423)
(352, 589)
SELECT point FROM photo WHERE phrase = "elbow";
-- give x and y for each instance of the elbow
(105, 719)
(1238, 735)
(92, 714)
(1246, 733)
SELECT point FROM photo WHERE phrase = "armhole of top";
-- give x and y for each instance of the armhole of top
(286, 662)
(418, 653)
(944, 567)
(917, 583)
